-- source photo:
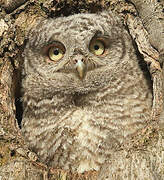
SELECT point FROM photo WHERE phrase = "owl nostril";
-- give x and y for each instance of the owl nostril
(75, 61)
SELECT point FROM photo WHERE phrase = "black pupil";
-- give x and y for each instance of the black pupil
(96, 47)
(56, 52)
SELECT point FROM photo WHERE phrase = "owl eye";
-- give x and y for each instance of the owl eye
(97, 47)
(55, 53)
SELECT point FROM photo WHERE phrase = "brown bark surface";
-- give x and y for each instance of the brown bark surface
(143, 156)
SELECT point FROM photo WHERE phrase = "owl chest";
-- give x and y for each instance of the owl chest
(79, 137)
(83, 142)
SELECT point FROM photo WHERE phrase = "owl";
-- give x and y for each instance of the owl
(85, 90)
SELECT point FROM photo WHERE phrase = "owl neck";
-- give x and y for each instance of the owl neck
(125, 94)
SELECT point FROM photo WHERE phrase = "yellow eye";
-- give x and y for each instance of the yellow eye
(55, 53)
(97, 47)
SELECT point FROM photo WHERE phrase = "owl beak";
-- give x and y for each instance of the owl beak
(80, 67)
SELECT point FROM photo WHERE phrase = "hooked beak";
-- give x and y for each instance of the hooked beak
(80, 67)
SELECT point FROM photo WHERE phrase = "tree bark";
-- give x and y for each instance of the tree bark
(142, 156)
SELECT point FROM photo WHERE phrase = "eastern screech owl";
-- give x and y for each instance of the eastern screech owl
(84, 90)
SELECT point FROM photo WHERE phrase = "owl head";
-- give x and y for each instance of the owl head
(76, 54)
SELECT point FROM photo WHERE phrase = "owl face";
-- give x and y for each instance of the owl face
(76, 54)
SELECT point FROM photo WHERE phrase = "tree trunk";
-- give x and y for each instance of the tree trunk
(143, 155)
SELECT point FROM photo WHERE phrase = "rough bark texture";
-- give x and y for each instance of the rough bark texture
(142, 157)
